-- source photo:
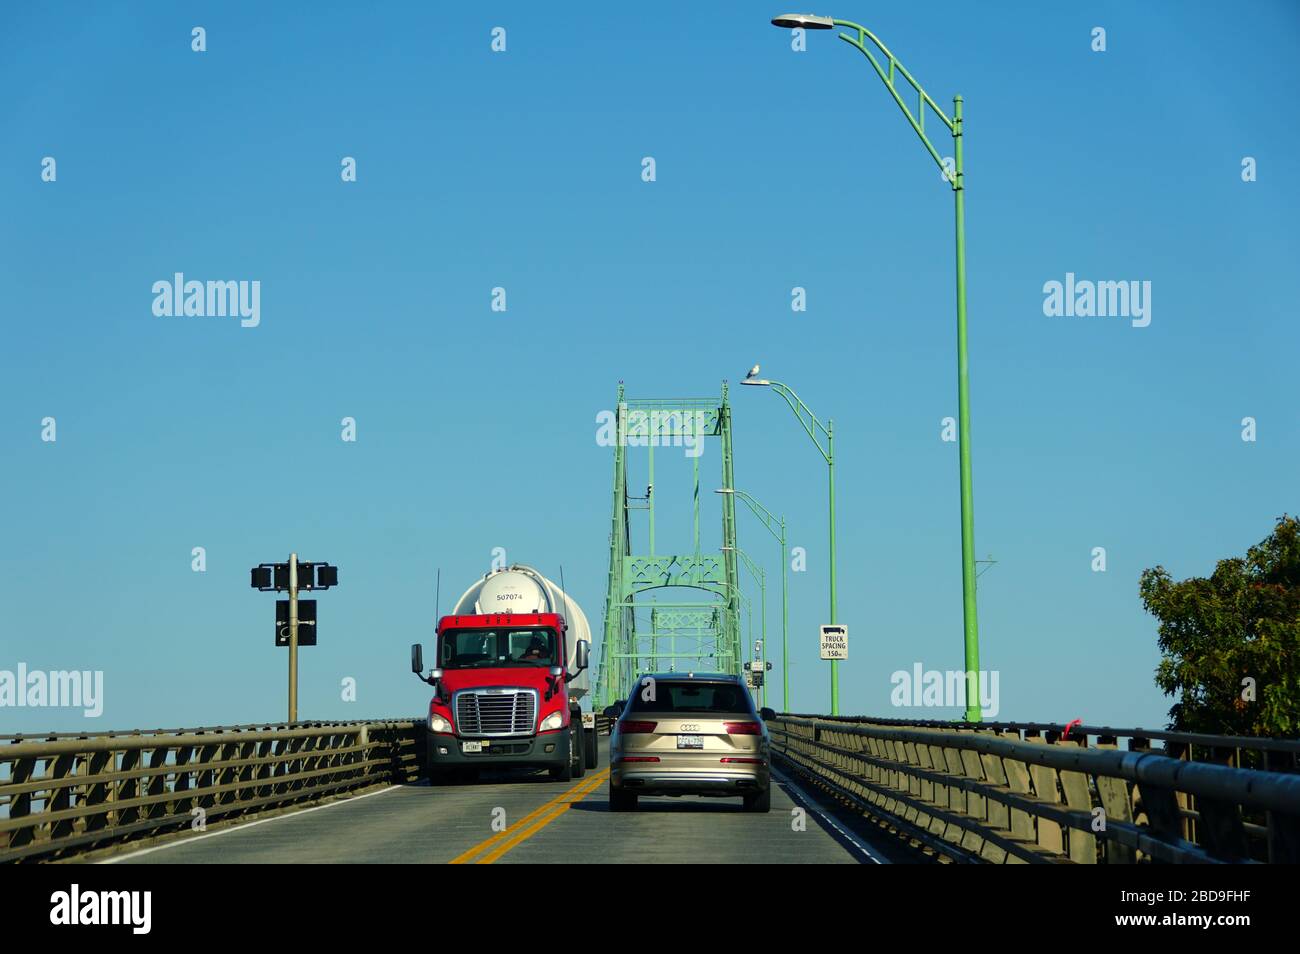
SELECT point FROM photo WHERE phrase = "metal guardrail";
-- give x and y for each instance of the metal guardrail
(1276, 755)
(189, 730)
(989, 794)
(68, 793)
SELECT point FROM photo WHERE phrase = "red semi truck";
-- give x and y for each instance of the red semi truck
(509, 678)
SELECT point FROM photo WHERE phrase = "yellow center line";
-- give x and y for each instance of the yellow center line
(542, 822)
(465, 857)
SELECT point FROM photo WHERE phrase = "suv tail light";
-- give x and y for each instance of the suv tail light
(630, 727)
(743, 728)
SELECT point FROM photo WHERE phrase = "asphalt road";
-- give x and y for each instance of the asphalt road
(526, 818)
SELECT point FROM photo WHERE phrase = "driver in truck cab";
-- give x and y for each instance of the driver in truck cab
(536, 651)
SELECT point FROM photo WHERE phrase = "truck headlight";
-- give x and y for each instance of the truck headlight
(552, 721)
(439, 724)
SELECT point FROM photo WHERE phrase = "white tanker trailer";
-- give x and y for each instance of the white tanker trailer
(510, 672)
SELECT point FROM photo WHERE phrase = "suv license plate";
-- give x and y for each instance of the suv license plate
(690, 742)
(471, 746)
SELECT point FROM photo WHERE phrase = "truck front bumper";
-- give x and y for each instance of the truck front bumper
(549, 750)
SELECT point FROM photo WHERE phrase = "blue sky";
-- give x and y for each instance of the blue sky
(476, 429)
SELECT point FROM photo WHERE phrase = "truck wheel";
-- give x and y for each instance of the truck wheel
(761, 803)
(564, 771)
(576, 747)
(590, 749)
(621, 801)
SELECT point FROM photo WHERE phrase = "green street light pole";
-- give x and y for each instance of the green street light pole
(813, 426)
(756, 571)
(955, 178)
(772, 523)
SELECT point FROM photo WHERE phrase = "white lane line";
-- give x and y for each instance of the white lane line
(243, 827)
(812, 804)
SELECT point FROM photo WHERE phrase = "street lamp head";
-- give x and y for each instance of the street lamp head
(724, 490)
(808, 21)
(757, 382)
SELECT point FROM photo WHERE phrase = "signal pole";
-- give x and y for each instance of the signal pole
(293, 576)
(293, 637)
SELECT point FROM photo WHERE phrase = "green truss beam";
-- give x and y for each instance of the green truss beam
(704, 637)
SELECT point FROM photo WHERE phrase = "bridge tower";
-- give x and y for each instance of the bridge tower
(677, 610)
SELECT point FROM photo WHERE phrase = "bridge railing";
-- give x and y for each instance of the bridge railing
(68, 794)
(994, 794)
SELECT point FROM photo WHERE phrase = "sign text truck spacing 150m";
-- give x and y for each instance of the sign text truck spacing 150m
(509, 675)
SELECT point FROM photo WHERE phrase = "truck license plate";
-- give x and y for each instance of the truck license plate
(471, 746)
(690, 742)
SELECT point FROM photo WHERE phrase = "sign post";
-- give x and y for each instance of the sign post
(293, 637)
(293, 576)
(835, 642)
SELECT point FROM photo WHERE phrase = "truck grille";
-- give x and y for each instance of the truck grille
(496, 711)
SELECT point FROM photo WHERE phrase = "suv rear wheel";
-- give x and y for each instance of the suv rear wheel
(621, 801)
(761, 802)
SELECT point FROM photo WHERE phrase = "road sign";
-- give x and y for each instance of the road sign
(306, 622)
(311, 576)
(835, 642)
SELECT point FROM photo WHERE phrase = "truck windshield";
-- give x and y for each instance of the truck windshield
(481, 648)
(728, 697)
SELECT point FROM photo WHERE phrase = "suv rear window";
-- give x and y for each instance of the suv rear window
(692, 697)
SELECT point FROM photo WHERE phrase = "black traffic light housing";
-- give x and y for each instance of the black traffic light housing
(311, 576)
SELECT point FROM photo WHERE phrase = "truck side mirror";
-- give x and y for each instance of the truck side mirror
(417, 659)
(766, 714)
(583, 654)
(614, 711)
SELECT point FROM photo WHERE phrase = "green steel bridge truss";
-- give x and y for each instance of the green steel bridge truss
(655, 619)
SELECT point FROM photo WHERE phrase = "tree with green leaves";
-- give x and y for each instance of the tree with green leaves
(1231, 643)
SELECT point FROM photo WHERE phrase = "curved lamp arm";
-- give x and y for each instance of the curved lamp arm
(895, 69)
(745, 601)
(805, 416)
(755, 570)
(765, 516)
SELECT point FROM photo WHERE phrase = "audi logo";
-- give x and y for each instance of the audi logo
(689, 727)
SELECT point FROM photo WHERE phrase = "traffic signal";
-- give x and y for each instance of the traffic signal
(306, 576)
(261, 577)
(326, 576)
